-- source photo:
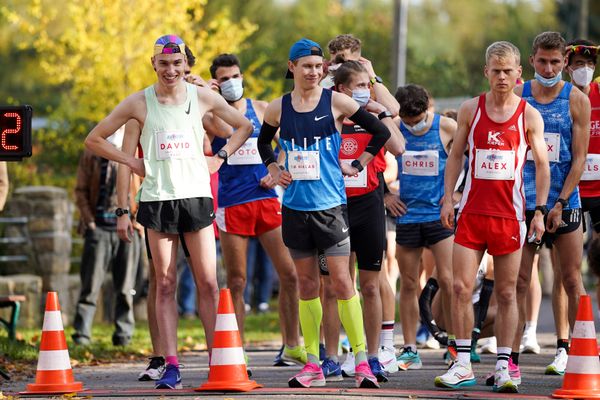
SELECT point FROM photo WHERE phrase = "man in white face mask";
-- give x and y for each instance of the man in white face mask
(581, 64)
(249, 207)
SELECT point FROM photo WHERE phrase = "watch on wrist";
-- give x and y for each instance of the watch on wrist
(543, 209)
(119, 212)
(376, 79)
(384, 114)
(564, 203)
(222, 154)
(356, 164)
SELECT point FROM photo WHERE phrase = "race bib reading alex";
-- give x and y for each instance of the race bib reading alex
(495, 164)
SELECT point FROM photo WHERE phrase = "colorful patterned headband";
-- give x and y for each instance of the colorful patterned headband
(169, 44)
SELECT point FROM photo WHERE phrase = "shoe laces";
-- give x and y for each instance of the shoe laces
(156, 362)
(408, 350)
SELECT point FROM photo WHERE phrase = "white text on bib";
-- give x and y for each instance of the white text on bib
(495, 164)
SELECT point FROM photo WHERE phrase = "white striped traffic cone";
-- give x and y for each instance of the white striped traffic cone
(54, 373)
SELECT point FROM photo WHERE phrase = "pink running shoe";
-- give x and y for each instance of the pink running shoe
(514, 371)
(364, 377)
(310, 375)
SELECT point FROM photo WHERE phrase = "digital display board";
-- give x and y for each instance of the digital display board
(15, 132)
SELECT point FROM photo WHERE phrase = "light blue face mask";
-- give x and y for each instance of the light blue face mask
(232, 89)
(418, 127)
(361, 96)
(548, 82)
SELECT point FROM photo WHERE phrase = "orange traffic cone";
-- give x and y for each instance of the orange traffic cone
(582, 376)
(54, 373)
(227, 363)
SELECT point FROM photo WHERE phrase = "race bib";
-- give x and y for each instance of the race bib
(247, 154)
(496, 165)
(175, 145)
(553, 145)
(304, 165)
(420, 163)
(591, 171)
(356, 181)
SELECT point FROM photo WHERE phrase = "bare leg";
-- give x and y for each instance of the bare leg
(331, 319)
(235, 250)
(151, 310)
(465, 262)
(506, 268)
(408, 261)
(570, 252)
(442, 253)
(559, 300)
(523, 284)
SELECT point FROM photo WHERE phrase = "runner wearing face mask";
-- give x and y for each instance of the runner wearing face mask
(366, 215)
(582, 57)
(248, 207)
(566, 114)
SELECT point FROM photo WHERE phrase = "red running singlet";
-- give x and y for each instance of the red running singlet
(589, 186)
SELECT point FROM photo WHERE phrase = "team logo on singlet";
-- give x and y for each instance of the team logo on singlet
(494, 138)
(349, 146)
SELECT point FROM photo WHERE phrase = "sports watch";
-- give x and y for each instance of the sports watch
(564, 203)
(543, 209)
(119, 212)
(376, 79)
(356, 164)
(222, 154)
(384, 114)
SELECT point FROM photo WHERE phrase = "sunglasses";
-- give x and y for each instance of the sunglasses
(583, 50)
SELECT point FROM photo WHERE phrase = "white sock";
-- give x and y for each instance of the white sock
(503, 356)
(386, 337)
(463, 349)
(530, 327)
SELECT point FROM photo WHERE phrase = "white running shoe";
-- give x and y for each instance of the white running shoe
(503, 383)
(529, 343)
(348, 366)
(488, 345)
(457, 376)
(558, 366)
(432, 343)
(387, 359)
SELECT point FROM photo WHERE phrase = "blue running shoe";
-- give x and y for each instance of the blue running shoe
(171, 378)
(345, 345)
(422, 335)
(322, 352)
(409, 359)
(332, 370)
(376, 369)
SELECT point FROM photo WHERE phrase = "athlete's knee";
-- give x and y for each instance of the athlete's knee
(166, 286)
(288, 279)
(236, 283)
(445, 282)
(523, 284)
(572, 282)
(505, 294)
(208, 286)
(409, 284)
(370, 289)
(461, 291)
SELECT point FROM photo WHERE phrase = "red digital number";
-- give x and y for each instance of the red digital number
(8, 131)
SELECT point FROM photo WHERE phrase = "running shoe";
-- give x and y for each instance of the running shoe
(364, 377)
(475, 357)
(529, 343)
(408, 359)
(513, 371)
(348, 367)
(345, 345)
(310, 375)
(154, 371)
(503, 382)
(387, 358)
(488, 345)
(558, 366)
(422, 335)
(456, 377)
(331, 370)
(432, 343)
(450, 355)
(171, 378)
(376, 369)
(296, 355)
(248, 371)
(278, 361)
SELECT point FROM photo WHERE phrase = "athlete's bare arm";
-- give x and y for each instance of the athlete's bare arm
(216, 127)
(454, 164)
(448, 128)
(133, 107)
(535, 135)
(382, 94)
(272, 117)
(396, 143)
(131, 139)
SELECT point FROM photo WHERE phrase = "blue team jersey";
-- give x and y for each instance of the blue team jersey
(311, 138)
(558, 136)
(239, 177)
(421, 174)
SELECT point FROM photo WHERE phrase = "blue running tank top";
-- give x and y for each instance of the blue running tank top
(558, 136)
(421, 174)
(312, 142)
(239, 177)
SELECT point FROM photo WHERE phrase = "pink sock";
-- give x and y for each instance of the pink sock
(172, 360)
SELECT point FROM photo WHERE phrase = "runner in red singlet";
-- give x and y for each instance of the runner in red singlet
(497, 127)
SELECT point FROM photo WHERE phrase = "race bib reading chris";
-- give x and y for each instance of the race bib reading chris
(420, 163)
(357, 181)
(591, 170)
(495, 164)
(247, 154)
(175, 145)
(304, 165)
(553, 146)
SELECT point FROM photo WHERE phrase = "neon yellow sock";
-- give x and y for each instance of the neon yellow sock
(311, 313)
(350, 313)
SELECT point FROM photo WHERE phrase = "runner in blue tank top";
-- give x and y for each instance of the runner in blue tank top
(421, 168)
(249, 207)
(566, 113)
(314, 215)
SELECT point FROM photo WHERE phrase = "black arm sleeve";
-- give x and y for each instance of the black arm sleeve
(375, 127)
(265, 149)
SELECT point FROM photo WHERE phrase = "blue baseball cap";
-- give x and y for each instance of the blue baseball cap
(302, 48)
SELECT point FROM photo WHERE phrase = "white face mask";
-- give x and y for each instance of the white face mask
(232, 89)
(418, 127)
(582, 76)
